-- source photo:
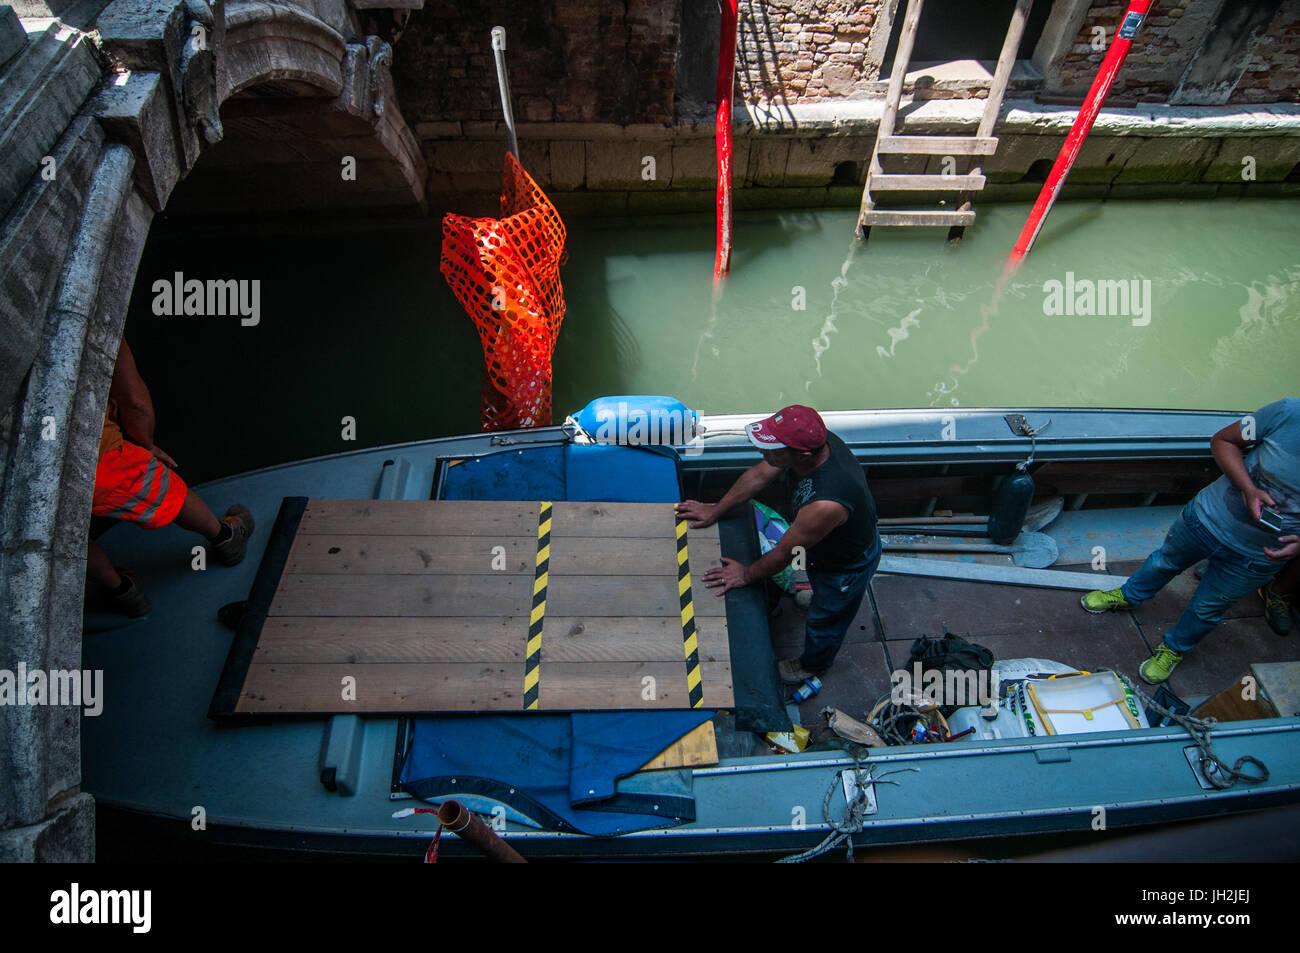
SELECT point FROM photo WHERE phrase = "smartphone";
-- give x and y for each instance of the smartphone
(1271, 519)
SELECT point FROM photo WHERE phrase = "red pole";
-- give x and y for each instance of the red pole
(722, 125)
(1133, 17)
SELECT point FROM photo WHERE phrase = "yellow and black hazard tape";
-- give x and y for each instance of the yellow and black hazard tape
(694, 684)
(533, 662)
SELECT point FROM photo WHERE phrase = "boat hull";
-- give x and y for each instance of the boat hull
(155, 754)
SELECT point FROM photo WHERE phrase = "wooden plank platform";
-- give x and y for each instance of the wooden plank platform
(423, 606)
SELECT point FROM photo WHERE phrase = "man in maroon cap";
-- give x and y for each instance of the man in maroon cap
(834, 522)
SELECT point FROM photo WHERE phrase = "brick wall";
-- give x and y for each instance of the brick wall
(614, 61)
(1153, 47)
(1274, 71)
(569, 60)
(804, 50)
(1162, 51)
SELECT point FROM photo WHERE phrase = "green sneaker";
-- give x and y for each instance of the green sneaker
(1160, 666)
(1277, 610)
(1104, 601)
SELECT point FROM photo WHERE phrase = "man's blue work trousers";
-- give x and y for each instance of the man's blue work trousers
(837, 594)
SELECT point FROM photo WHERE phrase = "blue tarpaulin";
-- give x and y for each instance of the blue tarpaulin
(560, 770)
(593, 473)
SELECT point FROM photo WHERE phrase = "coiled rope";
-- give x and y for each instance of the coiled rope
(855, 812)
(1199, 729)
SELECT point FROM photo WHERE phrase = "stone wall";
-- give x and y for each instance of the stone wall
(96, 130)
(816, 154)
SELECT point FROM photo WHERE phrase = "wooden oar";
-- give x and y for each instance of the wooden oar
(1030, 550)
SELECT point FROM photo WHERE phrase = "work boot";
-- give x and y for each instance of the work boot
(792, 671)
(1277, 610)
(1160, 666)
(131, 602)
(230, 546)
(1104, 600)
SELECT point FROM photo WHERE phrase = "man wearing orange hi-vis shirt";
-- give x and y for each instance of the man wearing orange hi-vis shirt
(137, 482)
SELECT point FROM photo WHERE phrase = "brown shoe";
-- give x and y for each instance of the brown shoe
(132, 603)
(231, 550)
(792, 672)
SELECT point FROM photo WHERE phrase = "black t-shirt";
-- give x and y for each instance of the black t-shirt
(841, 480)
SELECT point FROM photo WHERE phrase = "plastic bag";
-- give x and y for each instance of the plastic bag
(771, 527)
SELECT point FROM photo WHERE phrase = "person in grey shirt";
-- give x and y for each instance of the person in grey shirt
(1228, 524)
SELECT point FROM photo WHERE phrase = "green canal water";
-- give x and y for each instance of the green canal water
(361, 324)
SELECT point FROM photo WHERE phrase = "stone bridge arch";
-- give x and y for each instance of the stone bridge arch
(100, 131)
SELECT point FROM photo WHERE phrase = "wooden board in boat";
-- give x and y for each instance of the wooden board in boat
(386, 606)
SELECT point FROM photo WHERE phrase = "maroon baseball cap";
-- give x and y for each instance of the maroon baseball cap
(795, 427)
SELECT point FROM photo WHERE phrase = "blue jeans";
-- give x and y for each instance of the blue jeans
(837, 594)
(1228, 577)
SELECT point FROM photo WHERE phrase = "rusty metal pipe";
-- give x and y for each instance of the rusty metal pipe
(467, 826)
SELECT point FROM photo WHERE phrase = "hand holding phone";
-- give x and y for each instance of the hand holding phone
(1270, 519)
(1289, 549)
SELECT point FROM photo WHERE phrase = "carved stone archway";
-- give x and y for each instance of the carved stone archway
(174, 83)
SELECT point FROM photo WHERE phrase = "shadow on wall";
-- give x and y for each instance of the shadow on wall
(964, 30)
(757, 48)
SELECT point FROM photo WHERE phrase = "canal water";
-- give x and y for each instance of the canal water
(1170, 304)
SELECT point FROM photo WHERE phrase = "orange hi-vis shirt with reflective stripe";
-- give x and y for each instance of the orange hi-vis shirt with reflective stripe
(131, 483)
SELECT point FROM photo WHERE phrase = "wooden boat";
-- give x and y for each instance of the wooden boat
(328, 783)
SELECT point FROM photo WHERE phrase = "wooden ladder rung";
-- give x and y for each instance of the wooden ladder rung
(938, 145)
(925, 183)
(937, 217)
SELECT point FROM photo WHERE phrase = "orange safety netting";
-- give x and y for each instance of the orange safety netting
(506, 273)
